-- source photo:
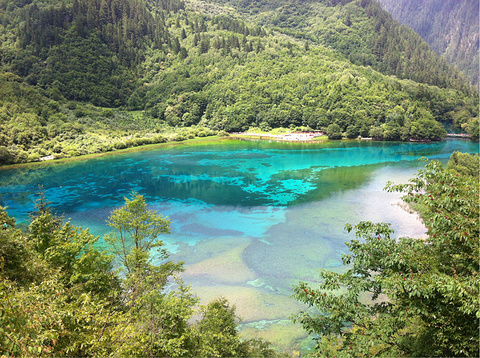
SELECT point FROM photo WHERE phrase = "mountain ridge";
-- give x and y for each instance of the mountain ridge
(450, 27)
(359, 29)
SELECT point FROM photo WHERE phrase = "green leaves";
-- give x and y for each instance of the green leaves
(136, 234)
(415, 297)
(59, 295)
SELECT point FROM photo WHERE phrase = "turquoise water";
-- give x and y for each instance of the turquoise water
(250, 219)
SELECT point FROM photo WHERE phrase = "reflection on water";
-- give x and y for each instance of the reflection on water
(250, 219)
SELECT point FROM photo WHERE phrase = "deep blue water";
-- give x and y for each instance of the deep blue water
(250, 219)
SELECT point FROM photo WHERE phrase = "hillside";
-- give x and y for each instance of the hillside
(449, 26)
(71, 70)
(359, 29)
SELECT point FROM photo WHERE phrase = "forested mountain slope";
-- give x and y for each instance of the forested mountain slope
(359, 29)
(451, 27)
(222, 65)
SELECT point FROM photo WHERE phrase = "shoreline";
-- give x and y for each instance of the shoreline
(206, 140)
(268, 139)
(113, 152)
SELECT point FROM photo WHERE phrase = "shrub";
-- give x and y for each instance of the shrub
(120, 145)
(33, 157)
(159, 139)
(5, 156)
(334, 131)
(108, 113)
(80, 112)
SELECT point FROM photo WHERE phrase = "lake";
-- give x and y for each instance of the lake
(250, 219)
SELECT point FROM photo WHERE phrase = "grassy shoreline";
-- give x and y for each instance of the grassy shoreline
(262, 136)
(171, 142)
(186, 142)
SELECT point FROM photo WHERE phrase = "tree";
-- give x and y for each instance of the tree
(376, 132)
(49, 319)
(464, 163)
(56, 288)
(134, 101)
(352, 131)
(347, 21)
(334, 131)
(5, 155)
(136, 244)
(406, 296)
(17, 261)
(71, 251)
(157, 320)
(59, 296)
(217, 334)
(218, 329)
(427, 129)
(472, 128)
(391, 131)
(44, 225)
(136, 232)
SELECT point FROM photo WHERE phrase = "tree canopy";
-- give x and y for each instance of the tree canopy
(61, 296)
(406, 296)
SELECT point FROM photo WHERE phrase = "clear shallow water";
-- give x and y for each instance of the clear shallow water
(250, 219)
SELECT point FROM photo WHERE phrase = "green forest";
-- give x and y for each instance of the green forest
(89, 76)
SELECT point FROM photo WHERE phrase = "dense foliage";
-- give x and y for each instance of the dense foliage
(359, 29)
(449, 26)
(61, 296)
(85, 50)
(33, 126)
(406, 296)
(88, 76)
